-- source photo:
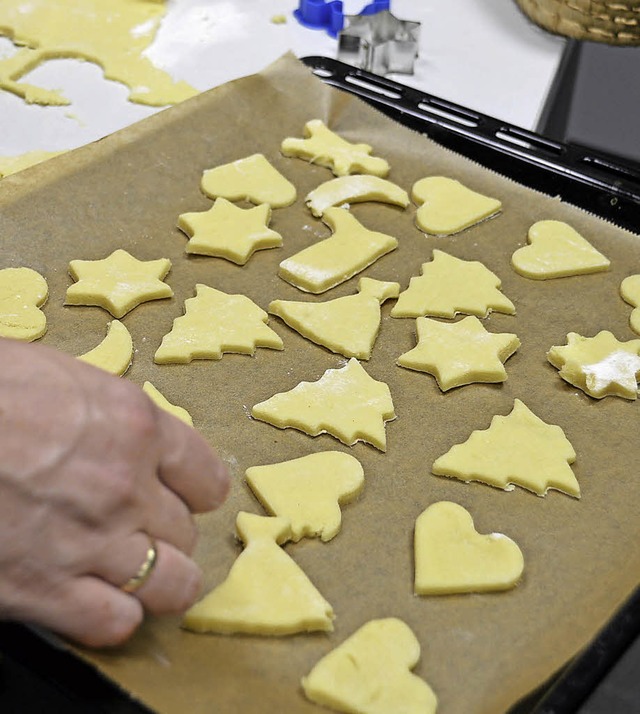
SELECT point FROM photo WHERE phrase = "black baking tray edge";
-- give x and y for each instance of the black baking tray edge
(599, 183)
(37, 676)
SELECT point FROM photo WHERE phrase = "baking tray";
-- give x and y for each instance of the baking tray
(591, 180)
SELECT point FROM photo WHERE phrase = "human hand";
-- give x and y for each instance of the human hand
(90, 470)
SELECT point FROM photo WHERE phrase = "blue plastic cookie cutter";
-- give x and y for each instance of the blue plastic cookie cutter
(329, 16)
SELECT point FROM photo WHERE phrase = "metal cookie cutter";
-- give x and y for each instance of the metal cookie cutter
(328, 14)
(379, 43)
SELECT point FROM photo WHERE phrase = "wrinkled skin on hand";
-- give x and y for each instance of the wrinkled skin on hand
(89, 466)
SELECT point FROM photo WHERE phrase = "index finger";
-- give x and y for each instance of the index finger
(189, 466)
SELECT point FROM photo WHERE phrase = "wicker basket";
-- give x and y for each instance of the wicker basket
(615, 22)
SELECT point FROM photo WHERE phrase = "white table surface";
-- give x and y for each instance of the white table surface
(483, 54)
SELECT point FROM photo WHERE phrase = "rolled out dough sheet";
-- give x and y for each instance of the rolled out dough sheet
(582, 563)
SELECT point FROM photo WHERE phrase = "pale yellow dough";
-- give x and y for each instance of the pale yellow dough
(118, 283)
(449, 286)
(114, 353)
(346, 403)
(161, 401)
(265, 592)
(227, 231)
(557, 250)
(23, 292)
(517, 449)
(308, 491)
(13, 164)
(324, 147)
(447, 206)
(370, 673)
(460, 353)
(600, 366)
(252, 179)
(350, 249)
(355, 189)
(630, 292)
(215, 323)
(347, 325)
(110, 33)
(452, 557)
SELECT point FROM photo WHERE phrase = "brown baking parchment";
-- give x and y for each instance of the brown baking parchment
(480, 653)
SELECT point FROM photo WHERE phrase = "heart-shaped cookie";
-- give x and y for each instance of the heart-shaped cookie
(630, 291)
(22, 292)
(308, 491)
(452, 557)
(448, 206)
(556, 250)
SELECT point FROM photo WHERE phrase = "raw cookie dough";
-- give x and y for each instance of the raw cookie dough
(227, 231)
(118, 283)
(110, 33)
(601, 366)
(460, 353)
(23, 292)
(214, 323)
(346, 403)
(114, 353)
(308, 491)
(355, 189)
(161, 401)
(370, 673)
(630, 292)
(446, 206)
(557, 250)
(517, 449)
(449, 285)
(324, 147)
(350, 249)
(347, 325)
(265, 592)
(452, 557)
(13, 164)
(252, 179)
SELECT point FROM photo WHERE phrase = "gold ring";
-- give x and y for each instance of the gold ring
(144, 571)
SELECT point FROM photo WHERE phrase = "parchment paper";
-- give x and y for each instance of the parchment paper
(480, 653)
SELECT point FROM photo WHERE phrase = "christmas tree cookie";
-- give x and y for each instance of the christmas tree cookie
(556, 250)
(308, 491)
(459, 353)
(518, 449)
(370, 673)
(350, 249)
(265, 592)
(324, 147)
(346, 403)
(215, 323)
(449, 285)
(452, 557)
(347, 325)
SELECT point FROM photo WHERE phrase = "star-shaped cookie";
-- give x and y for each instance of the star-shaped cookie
(459, 353)
(449, 285)
(118, 283)
(227, 231)
(601, 366)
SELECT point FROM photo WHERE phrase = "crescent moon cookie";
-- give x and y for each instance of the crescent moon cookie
(447, 206)
(161, 401)
(557, 250)
(355, 189)
(114, 353)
